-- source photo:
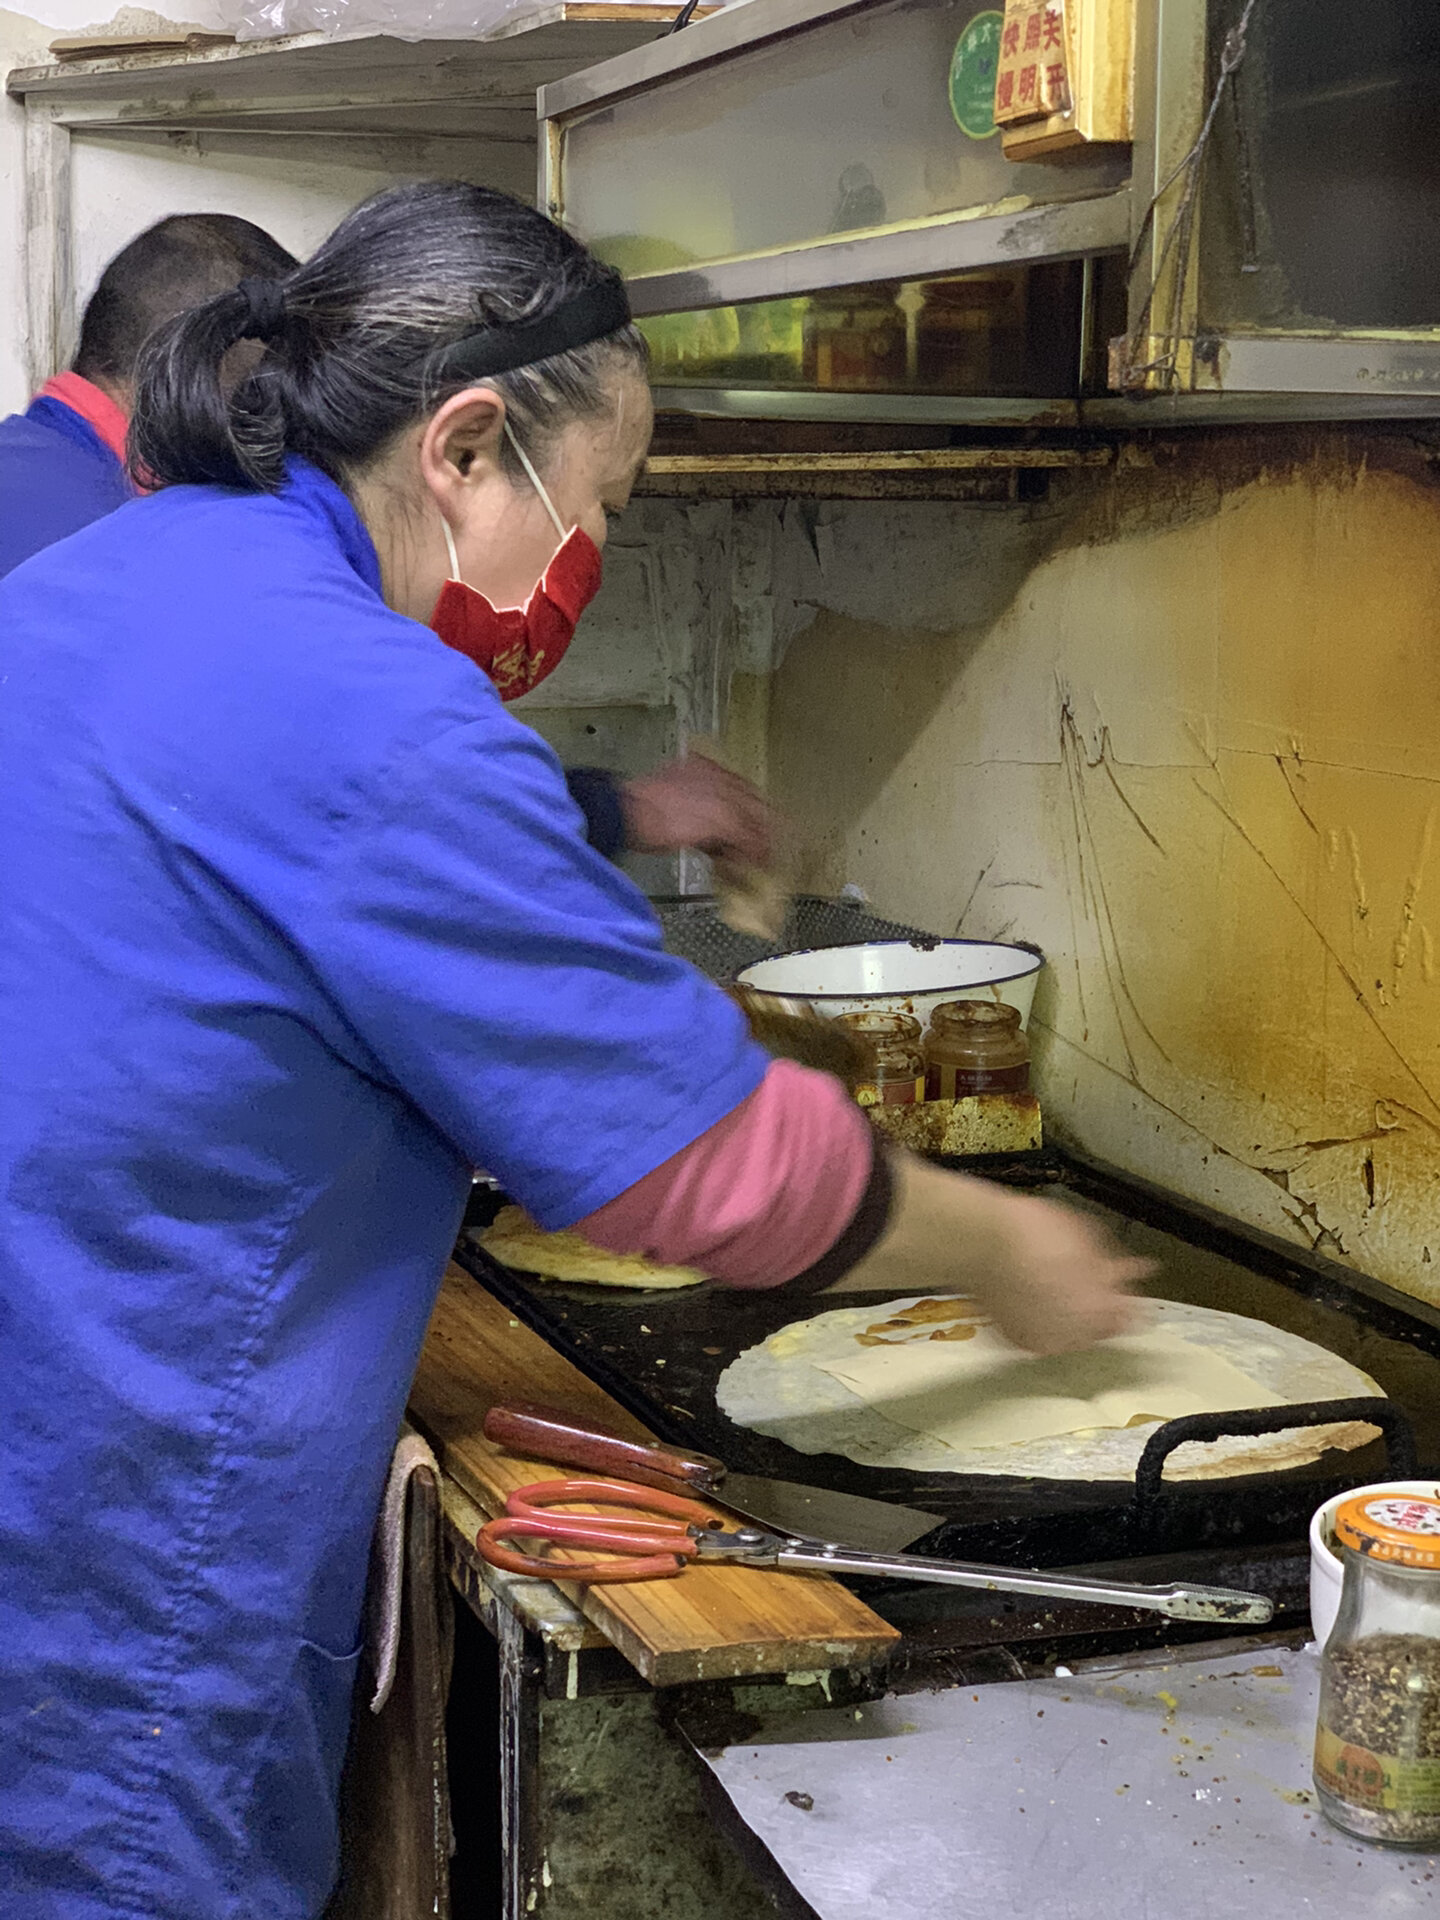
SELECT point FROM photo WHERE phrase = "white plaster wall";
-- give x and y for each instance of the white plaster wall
(24, 42)
(296, 188)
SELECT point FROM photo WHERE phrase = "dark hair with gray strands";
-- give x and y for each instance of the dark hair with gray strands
(356, 343)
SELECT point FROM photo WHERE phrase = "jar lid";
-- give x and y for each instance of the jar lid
(979, 1013)
(876, 1025)
(1403, 1529)
(888, 1052)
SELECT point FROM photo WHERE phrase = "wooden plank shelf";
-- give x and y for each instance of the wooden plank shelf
(898, 460)
(713, 1622)
(989, 473)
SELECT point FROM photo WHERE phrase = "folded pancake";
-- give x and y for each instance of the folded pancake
(515, 1241)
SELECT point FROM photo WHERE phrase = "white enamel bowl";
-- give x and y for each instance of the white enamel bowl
(899, 976)
(1327, 1570)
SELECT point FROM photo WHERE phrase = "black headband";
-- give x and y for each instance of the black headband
(599, 311)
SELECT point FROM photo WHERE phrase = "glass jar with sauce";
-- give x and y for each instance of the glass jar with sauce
(854, 340)
(1377, 1740)
(975, 1046)
(971, 333)
(899, 1067)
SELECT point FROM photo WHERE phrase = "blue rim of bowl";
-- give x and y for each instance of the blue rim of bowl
(1037, 961)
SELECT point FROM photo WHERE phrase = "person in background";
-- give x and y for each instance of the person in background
(62, 461)
(299, 925)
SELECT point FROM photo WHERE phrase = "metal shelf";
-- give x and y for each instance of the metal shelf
(309, 86)
(887, 409)
(373, 85)
(990, 473)
(949, 243)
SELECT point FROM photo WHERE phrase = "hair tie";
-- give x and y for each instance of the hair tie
(265, 308)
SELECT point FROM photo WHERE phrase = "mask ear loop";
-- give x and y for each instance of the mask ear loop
(536, 482)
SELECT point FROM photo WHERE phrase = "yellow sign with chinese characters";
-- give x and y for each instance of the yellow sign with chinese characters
(1065, 76)
(1032, 80)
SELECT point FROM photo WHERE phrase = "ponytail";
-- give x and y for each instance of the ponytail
(358, 342)
(189, 430)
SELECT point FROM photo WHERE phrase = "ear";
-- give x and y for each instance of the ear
(460, 447)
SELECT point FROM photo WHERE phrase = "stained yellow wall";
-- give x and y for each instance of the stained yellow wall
(1197, 757)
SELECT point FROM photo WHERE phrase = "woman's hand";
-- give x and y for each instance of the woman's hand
(1052, 1280)
(696, 804)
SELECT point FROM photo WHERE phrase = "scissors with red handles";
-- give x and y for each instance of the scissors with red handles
(655, 1538)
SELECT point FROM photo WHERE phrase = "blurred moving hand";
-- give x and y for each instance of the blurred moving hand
(1052, 1280)
(695, 804)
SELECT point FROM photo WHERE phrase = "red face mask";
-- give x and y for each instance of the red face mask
(519, 646)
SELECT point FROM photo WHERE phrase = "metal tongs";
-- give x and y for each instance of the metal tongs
(650, 1548)
(752, 1547)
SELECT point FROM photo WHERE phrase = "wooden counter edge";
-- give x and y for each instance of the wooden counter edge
(452, 1393)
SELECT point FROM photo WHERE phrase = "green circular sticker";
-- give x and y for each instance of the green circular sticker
(972, 75)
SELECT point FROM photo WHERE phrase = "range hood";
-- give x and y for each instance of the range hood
(819, 218)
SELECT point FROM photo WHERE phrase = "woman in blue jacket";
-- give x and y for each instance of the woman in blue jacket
(299, 926)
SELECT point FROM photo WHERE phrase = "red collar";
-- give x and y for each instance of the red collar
(109, 420)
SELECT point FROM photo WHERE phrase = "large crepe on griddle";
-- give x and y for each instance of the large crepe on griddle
(926, 1386)
(986, 1393)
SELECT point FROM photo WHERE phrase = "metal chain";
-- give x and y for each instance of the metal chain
(1177, 244)
(1245, 182)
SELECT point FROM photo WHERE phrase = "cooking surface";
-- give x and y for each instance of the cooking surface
(1167, 1792)
(715, 1621)
(662, 1354)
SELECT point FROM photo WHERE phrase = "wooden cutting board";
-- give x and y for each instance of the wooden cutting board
(712, 1623)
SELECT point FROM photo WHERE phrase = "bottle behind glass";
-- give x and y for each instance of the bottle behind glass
(1377, 1739)
(975, 1046)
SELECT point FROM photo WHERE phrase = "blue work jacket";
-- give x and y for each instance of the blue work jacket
(297, 926)
(56, 476)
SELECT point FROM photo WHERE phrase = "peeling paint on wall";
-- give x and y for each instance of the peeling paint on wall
(1194, 751)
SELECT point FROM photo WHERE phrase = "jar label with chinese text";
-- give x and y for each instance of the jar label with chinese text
(1380, 1781)
(943, 1082)
(1411, 1516)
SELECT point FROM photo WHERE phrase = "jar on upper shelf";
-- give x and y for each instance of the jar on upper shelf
(975, 1046)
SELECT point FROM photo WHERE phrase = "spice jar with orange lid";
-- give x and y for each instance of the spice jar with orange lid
(1377, 1740)
(975, 1046)
(899, 1067)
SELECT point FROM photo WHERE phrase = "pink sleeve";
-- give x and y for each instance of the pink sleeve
(759, 1198)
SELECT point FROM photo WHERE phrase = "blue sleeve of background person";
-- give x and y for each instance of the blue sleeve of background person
(597, 794)
(514, 983)
(56, 476)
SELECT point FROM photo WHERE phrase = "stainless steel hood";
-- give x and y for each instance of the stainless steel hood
(788, 167)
